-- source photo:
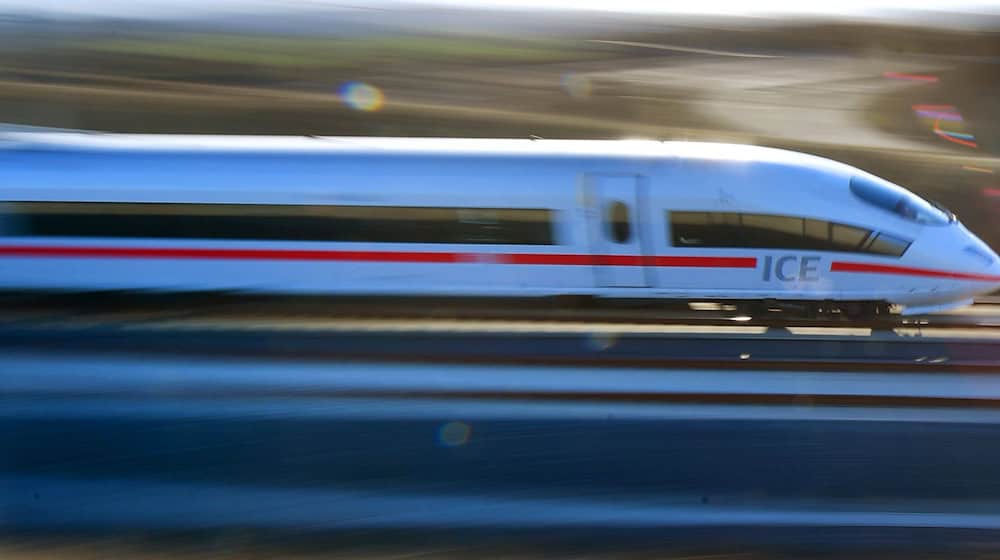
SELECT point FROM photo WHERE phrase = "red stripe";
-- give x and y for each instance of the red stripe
(707, 262)
(909, 271)
(545, 258)
(566, 259)
(620, 260)
(240, 254)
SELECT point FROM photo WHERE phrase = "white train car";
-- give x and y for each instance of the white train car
(492, 218)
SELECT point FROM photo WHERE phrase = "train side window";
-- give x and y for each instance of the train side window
(767, 231)
(847, 238)
(885, 244)
(284, 222)
(773, 232)
(620, 227)
(690, 229)
(817, 235)
(726, 230)
(685, 228)
(705, 229)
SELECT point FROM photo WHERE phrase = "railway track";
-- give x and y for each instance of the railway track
(281, 415)
(543, 345)
(242, 312)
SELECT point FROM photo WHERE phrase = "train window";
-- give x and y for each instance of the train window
(618, 222)
(763, 230)
(885, 244)
(705, 229)
(898, 200)
(817, 234)
(847, 238)
(687, 228)
(768, 231)
(726, 226)
(378, 224)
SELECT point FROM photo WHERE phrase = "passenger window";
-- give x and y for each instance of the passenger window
(290, 222)
(885, 244)
(817, 234)
(724, 230)
(706, 229)
(688, 228)
(776, 232)
(618, 220)
(847, 238)
(817, 229)
(768, 231)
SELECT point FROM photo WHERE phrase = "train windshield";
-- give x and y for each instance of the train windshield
(898, 200)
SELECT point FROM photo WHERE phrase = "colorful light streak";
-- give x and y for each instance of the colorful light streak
(977, 169)
(911, 77)
(946, 113)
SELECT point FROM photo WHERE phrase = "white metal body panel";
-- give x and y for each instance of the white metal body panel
(476, 173)
(604, 192)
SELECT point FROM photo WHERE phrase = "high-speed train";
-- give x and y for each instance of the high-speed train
(463, 217)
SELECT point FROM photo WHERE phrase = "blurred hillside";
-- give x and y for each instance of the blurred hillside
(198, 76)
(913, 103)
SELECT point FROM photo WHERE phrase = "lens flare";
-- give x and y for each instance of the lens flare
(576, 85)
(361, 96)
(454, 434)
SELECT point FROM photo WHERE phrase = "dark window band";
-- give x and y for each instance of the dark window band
(769, 231)
(266, 222)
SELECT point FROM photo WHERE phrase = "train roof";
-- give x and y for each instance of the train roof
(78, 141)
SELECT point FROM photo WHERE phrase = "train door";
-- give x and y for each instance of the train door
(614, 218)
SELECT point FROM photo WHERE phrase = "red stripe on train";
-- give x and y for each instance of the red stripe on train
(240, 254)
(707, 262)
(838, 266)
(566, 259)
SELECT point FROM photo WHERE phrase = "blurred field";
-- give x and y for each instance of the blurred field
(65, 78)
(319, 53)
(847, 91)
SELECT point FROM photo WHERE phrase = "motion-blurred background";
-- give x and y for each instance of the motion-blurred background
(907, 90)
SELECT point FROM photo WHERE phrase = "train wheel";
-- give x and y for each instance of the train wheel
(828, 308)
(853, 310)
(572, 302)
(882, 309)
(746, 309)
(815, 310)
(862, 310)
